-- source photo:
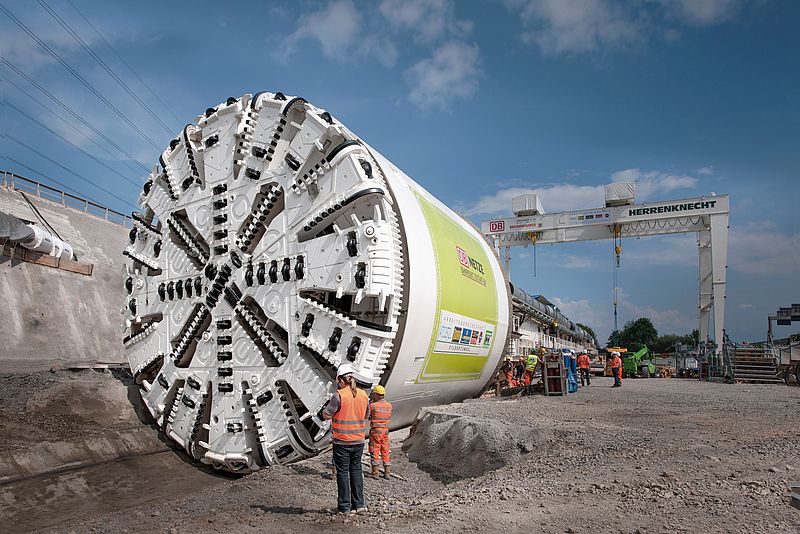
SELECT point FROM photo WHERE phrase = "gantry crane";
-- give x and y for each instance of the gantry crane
(707, 216)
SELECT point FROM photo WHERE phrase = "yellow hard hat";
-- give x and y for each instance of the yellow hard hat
(380, 390)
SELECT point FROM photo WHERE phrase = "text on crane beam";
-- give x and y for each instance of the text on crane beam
(673, 207)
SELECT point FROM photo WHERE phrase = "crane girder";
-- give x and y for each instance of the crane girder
(707, 216)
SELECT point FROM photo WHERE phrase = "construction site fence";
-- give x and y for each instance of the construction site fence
(53, 194)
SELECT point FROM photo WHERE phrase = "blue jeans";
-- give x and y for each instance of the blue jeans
(617, 376)
(585, 377)
(349, 478)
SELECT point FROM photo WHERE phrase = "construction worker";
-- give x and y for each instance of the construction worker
(583, 369)
(519, 371)
(508, 370)
(348, 411)
(380, 412)
(530, 367)
(616, 369)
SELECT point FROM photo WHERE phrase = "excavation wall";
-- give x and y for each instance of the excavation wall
(55, 318)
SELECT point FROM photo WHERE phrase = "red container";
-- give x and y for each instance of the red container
(554, 374)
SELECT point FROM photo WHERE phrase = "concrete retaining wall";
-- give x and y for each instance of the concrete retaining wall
(55, 318)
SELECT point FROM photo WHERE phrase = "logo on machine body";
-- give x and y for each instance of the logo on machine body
(470, 267)
(468, 262)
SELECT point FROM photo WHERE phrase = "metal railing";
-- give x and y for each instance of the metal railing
(46, 192)
(531, 340)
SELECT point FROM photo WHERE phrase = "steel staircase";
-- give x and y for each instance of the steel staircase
(754, 365)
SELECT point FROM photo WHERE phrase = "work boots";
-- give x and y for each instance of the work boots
(387, 471)
(375, 472)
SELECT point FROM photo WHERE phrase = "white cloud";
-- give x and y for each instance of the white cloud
(558, 197)
(426, 20)
(676, 250)
(581, 311)
(25, 53)
(758, 248)
(380, 48)
(600, 319)
(665, 321)
(703, 12)
(651, 183)
(584, 26)
(335, 28)
(762, 248)
(565, 197)
(575, 26)
(452, 72)
(708, 170)
(575, 261)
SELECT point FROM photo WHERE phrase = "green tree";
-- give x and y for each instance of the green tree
(636, 334)
(670, 342)
(614, 339)
(666, 343)
(695, 338)
(590, 332)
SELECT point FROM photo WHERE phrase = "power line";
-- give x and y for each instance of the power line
(77, 76)
(59, 184)
(108, 44)
(125, 162)
(103, 64)
(57, 164)
(76, 147)
(75, 115)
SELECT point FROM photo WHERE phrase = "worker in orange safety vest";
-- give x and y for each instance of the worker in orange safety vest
(348, 411)
(380, 413)
(508, 371)
(583, 369)
(616, 369)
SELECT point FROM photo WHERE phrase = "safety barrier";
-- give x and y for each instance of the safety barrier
(33, 187)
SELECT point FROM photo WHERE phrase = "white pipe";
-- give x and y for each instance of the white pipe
(46, 243)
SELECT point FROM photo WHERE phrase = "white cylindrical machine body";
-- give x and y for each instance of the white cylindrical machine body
(276, 246)
(459, 309)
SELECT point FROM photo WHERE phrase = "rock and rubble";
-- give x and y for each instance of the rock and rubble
(654, 456)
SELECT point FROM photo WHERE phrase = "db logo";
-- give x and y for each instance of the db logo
(497, 226)
(462, 257)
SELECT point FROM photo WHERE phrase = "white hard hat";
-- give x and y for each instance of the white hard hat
(345, 369)
(615, 353)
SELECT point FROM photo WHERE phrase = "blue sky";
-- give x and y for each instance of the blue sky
(478, 101)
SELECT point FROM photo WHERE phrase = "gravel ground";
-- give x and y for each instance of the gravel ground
(654, 456)
(54, 406)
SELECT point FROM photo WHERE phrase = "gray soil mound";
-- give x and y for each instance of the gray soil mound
(452, 446)
(53, 406)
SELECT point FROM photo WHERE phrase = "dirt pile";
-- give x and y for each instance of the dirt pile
(452, 446)
(54, 406)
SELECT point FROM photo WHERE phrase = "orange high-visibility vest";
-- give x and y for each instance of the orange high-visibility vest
(616, 362)
(380, 412)
(583, 361)
(348, 424)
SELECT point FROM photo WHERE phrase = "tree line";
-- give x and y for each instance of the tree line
(640, 332)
